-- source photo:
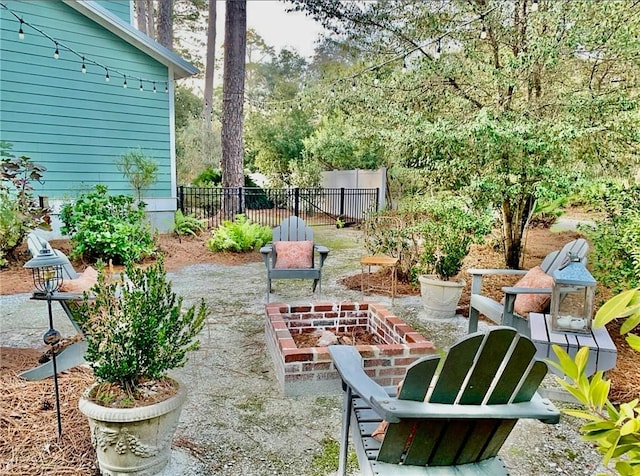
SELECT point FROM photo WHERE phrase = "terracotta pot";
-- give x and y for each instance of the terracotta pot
(133, 441)
(440, 298)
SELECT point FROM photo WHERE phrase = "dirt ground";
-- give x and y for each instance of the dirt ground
(75, 455)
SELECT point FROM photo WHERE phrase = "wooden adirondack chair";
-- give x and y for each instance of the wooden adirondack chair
(504, 314)
(302, 262)
(449, 418)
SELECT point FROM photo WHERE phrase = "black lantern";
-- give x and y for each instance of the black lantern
(572, 298)
(47, 278)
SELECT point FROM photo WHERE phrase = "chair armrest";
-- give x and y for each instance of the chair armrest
(483, 272)
(348, 363)
(394, 410)
(519, 290)
(324, 252)
(266, 249)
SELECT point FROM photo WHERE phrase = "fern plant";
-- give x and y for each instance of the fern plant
(240, 235)
(187, 224)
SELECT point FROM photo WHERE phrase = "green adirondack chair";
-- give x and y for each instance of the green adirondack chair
(294, 232)
(450, 417)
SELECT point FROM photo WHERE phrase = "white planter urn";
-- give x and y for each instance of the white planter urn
(133, 441)
(440, 298)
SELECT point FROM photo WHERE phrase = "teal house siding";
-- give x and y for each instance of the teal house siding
(79, 124)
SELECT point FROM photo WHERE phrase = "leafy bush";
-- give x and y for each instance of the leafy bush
(428, 235)
(19, 213)
(107, 227)
(615, 430)
(139, 169)
(135, 327)
(239, 235)
(187, 224)
(615, 260)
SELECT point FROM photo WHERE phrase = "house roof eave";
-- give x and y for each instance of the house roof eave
(128, 33)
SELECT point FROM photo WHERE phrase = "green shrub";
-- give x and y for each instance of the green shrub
(187, 224)
(19, 212)
(615, 259)
(135, 326)
(429, 235)
(107, 226)
(139, 169)
(11, 229)
(239, 235)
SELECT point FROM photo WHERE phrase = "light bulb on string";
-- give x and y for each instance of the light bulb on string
(56, 53)
(107, 78)
(21, 31)
(534, 6)
(353, 86)
(166, 88)
(483, 32)
(333, 92)
(404, 65)
(141, 88)
(84, 68)
(124, 83)
(154, 87)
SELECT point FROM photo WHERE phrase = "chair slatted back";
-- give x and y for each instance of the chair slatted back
(494, 368)
(293, 229)
(558, 258)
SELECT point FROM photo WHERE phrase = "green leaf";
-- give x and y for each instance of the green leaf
(567, 365)
(631, 322)
(613, 308)
(581, 359)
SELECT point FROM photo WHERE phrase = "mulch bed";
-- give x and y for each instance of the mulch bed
(30, 444)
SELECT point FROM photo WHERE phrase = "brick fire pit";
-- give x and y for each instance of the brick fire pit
(309, 371)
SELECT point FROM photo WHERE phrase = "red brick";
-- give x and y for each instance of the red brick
(392, 349)
(377, 362)
(367, 351)
(404, 361)
(323, 307)
(287, 343)
(298, 377)
(314, 366)
(327, 376)
(297, 355)
(392, 372)
(422, 348)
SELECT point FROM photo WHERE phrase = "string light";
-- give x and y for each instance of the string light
(404, 65)
(534, 6)
(483, 32)
(58, 45)
(141, 88)
(154, 88)
(438, 49)
(353, 86)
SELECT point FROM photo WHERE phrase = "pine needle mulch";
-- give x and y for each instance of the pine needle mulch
(29, 444)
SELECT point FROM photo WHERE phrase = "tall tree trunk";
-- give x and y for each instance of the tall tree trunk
(141, 14)
(165, 23)
(210, 64)
(515, 218)
(151, 28)
(235, 45)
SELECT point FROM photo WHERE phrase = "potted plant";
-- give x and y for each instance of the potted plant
(136, 331)
(447, 229)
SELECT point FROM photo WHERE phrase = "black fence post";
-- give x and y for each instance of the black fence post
(342, 202)
(180, 197)
(240, 201)
(377, 199)
(296, 202)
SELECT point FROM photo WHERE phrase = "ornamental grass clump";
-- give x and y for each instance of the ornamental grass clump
(136, 331)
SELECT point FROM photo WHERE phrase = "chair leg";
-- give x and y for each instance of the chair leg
(473, 320)
(344, 441)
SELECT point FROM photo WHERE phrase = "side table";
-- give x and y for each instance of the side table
(366, 262)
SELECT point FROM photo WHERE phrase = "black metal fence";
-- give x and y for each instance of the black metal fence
(269, 206)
